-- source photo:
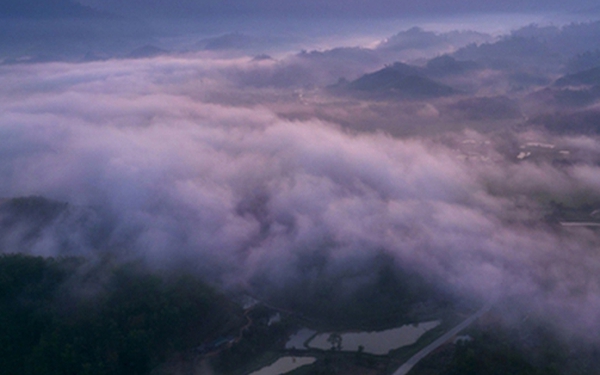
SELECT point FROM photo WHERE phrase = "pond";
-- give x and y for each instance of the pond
(373, 342)
(284, 365)
(299, 338)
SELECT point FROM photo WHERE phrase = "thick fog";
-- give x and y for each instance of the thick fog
(177, 160)
(270, 157)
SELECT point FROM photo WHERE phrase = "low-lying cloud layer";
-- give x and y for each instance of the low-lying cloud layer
(176, 173)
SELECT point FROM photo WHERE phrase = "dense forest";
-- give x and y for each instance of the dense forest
(67, 316)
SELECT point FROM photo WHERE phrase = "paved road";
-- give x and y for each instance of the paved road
(579, 224)
(408, 365)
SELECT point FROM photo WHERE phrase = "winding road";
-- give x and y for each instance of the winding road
(408, 365)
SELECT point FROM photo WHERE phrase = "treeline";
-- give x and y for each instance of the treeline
(66, 316)
(494, 351)
(527, 348)
(393, 295)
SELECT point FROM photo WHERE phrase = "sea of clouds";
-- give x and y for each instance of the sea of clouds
(177, 173)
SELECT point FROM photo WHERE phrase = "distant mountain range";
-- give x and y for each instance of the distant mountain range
(540, 47)
(398, 79)
(446, 65)
(587, 77)
(575, 90)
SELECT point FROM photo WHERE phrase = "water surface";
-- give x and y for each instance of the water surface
(298, 339)
(375, 342)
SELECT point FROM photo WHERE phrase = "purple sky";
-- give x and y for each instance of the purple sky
(318, 7)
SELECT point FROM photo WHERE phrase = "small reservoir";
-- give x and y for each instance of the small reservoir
(297, 340)
(372, 342)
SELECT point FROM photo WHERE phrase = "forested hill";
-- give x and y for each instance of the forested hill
(66, 316)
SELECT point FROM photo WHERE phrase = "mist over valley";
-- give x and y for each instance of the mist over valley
(216, 188)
